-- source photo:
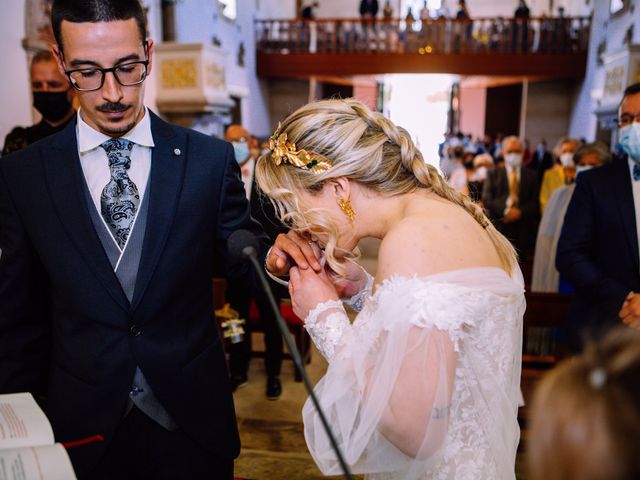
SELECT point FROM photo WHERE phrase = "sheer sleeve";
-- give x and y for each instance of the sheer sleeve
(356, 302)
(388, 389)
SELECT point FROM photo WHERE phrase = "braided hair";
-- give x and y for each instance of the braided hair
(365, 147)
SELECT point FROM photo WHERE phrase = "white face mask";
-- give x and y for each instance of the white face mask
(582, 168)
(566, 159)
(480, 174)
(513, 159)
(630, 140)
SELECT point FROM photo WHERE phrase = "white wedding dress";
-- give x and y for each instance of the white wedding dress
(448, 343)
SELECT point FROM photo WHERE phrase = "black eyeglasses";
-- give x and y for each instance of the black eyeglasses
(90, 79)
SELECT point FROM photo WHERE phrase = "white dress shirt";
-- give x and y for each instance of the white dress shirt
(95, 164)
(247, 169)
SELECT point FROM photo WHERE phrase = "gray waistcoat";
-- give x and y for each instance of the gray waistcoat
(126, 269)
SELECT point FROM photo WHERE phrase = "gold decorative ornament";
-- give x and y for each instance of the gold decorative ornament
(345, 206)
(285, 152)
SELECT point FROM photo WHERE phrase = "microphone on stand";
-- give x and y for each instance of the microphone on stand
(242, 244)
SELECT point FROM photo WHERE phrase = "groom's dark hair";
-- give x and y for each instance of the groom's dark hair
(93, 11)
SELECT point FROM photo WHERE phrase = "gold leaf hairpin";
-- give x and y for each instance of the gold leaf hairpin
(285, 152)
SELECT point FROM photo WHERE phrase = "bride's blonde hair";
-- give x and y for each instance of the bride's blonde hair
(362, 146)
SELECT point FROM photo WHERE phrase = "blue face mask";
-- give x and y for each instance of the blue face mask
(241, 151)
(630, 140)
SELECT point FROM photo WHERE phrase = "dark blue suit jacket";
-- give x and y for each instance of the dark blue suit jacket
(598, 249)
(67, 329)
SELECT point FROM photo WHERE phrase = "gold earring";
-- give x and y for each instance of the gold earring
(345, 206)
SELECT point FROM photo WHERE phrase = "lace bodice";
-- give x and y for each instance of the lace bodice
(450, 345)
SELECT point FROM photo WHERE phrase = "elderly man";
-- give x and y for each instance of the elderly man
(510, 195)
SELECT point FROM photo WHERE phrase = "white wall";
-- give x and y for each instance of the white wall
(612, 30)
(201, 20)
(154, 27)
(15, 96)
(473, 106)
(548, 111)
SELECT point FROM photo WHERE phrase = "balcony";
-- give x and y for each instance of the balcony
(554, 47)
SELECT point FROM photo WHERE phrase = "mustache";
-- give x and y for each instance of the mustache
(109, 107)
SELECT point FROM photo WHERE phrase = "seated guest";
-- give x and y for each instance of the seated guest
(52, 98)
(598, 246)
(545, 276)
(562, 173)
(510, 197)
(586, 414)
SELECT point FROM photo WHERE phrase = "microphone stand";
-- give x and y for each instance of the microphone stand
(250, 253)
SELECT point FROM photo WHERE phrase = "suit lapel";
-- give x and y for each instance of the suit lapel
(64, 179)
(165, 182)
(627, 209)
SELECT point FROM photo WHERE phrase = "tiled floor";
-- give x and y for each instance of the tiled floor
(271, 432)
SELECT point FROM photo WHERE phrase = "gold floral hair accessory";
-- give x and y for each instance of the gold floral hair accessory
(285, 152)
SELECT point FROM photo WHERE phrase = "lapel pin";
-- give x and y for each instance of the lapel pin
(177, 151)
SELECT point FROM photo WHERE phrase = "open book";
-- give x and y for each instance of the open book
(27, 451)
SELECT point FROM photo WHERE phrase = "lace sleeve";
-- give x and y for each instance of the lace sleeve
(326, 324)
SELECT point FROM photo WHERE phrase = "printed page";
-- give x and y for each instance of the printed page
(22, 422)
(49, 462)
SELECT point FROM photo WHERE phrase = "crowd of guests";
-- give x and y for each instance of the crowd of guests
(515, 183)
(581, 218)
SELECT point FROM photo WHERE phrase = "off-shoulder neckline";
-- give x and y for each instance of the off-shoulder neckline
(450, 272)
(440, 277)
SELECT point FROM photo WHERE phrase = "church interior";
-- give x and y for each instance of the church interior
(459, 76)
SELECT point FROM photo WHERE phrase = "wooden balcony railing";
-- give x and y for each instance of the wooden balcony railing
(443, 45)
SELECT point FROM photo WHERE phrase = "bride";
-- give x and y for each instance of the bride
(424, 383)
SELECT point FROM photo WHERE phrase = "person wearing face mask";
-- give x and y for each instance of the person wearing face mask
(562, 173)
(545, 275)
(509, 195)
(246, 151)
(52, 98)
(598, 246)
(458, 178)
(482, 163)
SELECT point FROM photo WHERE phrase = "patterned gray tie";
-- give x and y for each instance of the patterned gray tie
(120, 198)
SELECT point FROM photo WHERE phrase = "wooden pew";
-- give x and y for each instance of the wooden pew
(541, 350)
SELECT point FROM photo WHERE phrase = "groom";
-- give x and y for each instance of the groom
(109, 231)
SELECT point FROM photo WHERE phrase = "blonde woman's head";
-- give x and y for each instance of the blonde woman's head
(586, 414)
(359, 145)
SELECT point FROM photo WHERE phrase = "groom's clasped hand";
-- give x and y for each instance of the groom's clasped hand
(311, 279)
